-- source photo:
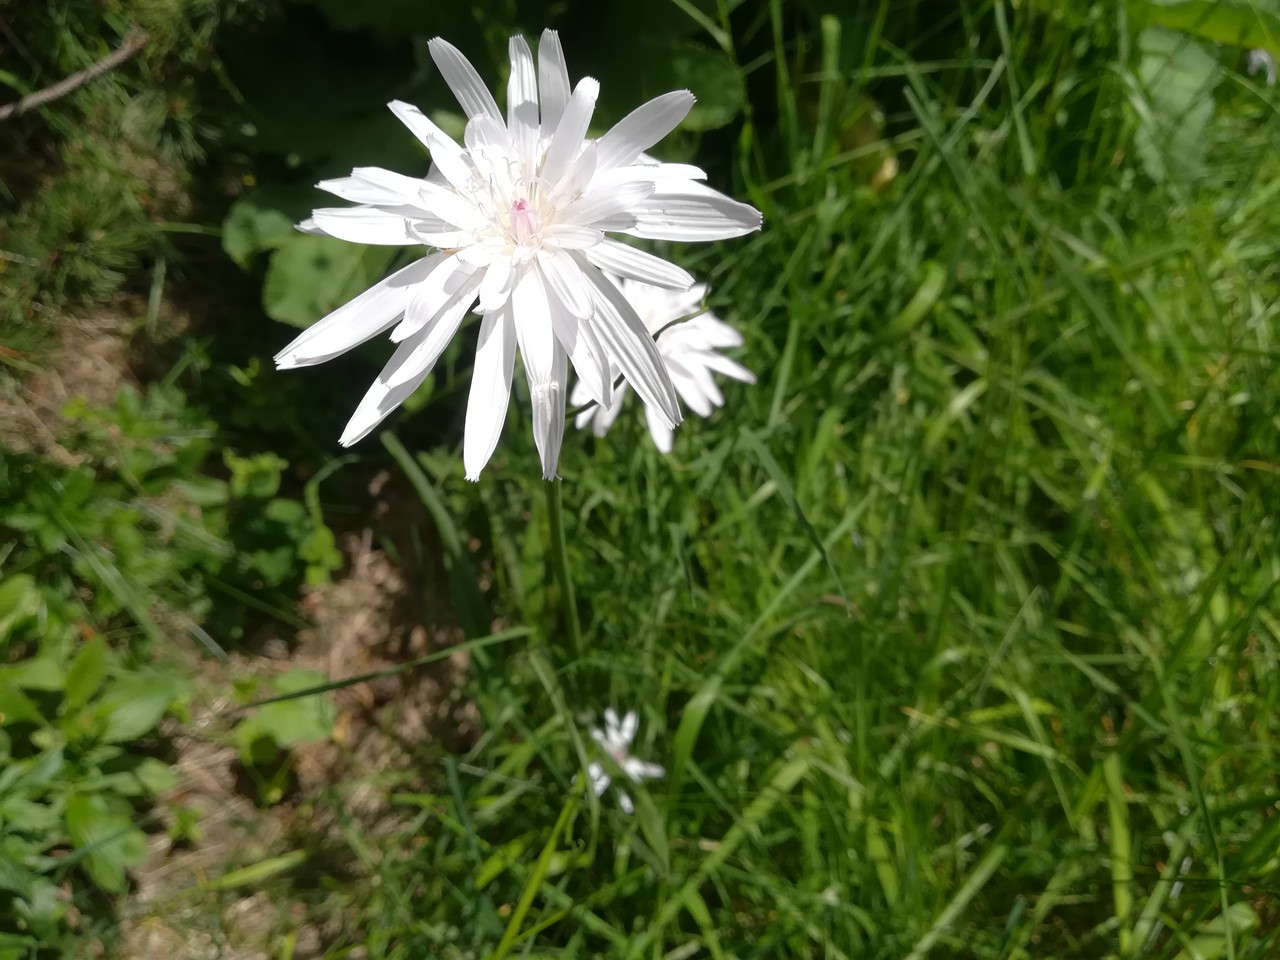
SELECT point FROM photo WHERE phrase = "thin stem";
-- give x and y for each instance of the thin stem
(555, 520)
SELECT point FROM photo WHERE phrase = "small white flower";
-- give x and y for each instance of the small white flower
(519, 213)
(688, 350)
(615, 740)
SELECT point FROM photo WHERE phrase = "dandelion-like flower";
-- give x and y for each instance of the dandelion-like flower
(519, 214)
(688, 349)
(615, 740)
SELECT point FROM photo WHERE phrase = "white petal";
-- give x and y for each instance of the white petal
(567, 141)
(599, 779)
(605, 416)
(548, 414)
(363, 225)
(374, 185)
(499, 278)
(569, 236)
(628, 261)
(545, 366)
(430, 295)
(639, 770)
(692, 386)
(436, 335)
(522, 98)
(587, 355)
(473, 96)
(730, 368)
(629, 345)
(713, 331)
(663, 436)
(642, 128)
(649, 171)
(565, 280)
(490, 390)
(448, 157)
(358, 319)
(486, 135)
(611, 724)
(450, 206)
(553, 80)
(597, 205)
(685, 210)
(624, 801)
(382, 398)
(630, 723)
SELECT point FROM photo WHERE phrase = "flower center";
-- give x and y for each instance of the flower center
(524, 221)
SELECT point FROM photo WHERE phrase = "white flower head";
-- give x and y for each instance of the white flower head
(1261, 61)
(615, 740)
(519, 214)
(689, 351)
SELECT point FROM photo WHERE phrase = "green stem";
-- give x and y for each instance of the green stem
(555, 519)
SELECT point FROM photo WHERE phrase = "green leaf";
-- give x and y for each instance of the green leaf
(1178, 77)
(19, 600)
(255, 874)
(300, 719)
(133, 706)
(1210, 941)
(38, 673)
(711, 77)
(310, 276)
(1242, 23)
(16, 706)
(257, 476)
(85, 675)
(101, 827)
(251, 228)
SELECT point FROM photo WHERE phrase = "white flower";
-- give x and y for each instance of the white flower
(615, 740)
(1261, 60)
(687, 349)
(519, 214)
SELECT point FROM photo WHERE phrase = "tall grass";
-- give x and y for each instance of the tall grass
(956, 633)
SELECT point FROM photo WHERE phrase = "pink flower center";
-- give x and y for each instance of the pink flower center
(524, 221)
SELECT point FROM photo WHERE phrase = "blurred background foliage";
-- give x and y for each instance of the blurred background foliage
(956, 634)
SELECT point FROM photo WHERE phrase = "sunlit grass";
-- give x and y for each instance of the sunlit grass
(955, 633)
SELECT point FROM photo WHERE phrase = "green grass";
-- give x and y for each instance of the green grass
(956, 633)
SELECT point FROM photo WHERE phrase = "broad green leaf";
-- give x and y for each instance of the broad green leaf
(252, 228)
(101, 827)
(38, 673)
(19, 599)
(301, 719)
(1210, 941)
(310, 276)
(16, 706)
(1242, 23)
(1178, 78)
(712, 78)
(133, 706)
(85, 675)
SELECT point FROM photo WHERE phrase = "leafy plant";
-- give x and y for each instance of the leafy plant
(70, 780)
(264, 738)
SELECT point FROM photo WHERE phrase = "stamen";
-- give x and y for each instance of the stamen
(524, 221)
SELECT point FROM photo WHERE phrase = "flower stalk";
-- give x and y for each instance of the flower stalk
(560, 560)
